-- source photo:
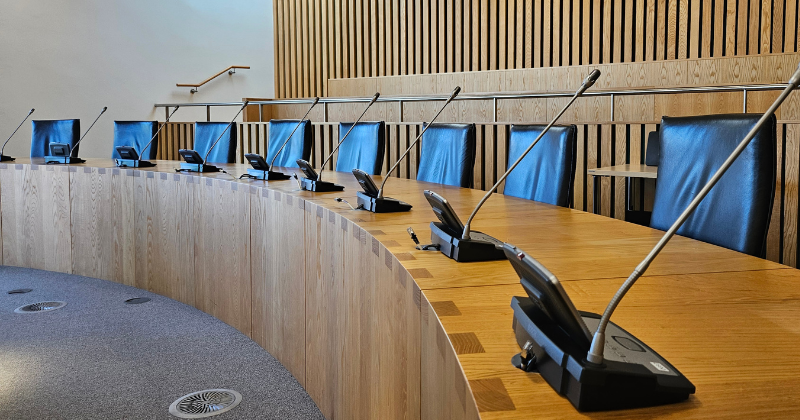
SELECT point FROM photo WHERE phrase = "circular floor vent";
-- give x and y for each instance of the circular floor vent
(40, 307)
(134, 301)
(205, 403)
(19, 291)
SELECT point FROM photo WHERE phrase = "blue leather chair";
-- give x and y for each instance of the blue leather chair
(653, 149)
(735, 214)
(547, 173)
(206, 133)
(56, 131)
(299, 147)
(364, 147)
(447, 155)
(136, 134)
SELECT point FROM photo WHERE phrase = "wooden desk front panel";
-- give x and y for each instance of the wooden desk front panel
(375, 329)
(321, 294)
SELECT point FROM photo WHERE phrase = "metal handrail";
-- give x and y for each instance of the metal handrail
(499, 95)
(231, 70)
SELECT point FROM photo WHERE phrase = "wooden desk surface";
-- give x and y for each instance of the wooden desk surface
(726, 320)
(630, 171)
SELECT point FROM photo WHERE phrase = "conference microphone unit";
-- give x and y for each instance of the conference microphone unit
(455, 240)
(61, 153)
(192, 160)
(3, 157)
(263, 170)
(372, 199)
(313, 180)
(609, 369)
(130, 158)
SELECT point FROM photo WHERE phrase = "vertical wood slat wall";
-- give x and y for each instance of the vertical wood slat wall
(318, 40)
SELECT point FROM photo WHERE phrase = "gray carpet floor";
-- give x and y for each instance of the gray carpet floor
(99, 358)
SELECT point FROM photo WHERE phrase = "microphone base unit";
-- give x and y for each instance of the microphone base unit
(62, 160)
(267, 175)
(198, 167)
(4, 158)
(480, 246)
(631, 376)
(319, 186)
(381, 205)
(133, 163)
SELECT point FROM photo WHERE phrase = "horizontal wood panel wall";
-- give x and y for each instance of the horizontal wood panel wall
(318, 40)
(601, 142)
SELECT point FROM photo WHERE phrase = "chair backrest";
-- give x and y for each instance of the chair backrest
(299, 147)
(653, 149)
(136, 134)
(206, 133)
(735, 214)
(363, 149)
(447, 155)
(547, 173)
(53, 131)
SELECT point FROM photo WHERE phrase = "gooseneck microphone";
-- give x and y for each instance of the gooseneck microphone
(4, 158)
(587, 83)
(141, 153)
(278, 174)
(61, 153)
(455, 93)
(130, 158)
(105, 108)
(595, 354)
(195, 163)
(322, 167)
(205, 158)
(313, 180)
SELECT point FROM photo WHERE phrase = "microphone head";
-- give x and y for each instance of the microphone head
(591, 78)
(104, 109)
(316, 100)
(456, 91)
(31, 111)
(246, 102)
(376, 96)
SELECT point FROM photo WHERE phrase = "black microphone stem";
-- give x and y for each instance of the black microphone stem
(141, 153)
(87, 131)
(322, 168)
(587, 83)
(223, 131)
(15, 131)
(389, 173)
(595, 354)
(316, 100)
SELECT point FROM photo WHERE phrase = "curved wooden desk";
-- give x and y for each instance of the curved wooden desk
(373, 328)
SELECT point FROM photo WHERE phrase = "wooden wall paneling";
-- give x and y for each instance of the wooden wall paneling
(165, 229)
(683, 29)
(672, 28)
(102, 224)
(605, 156)
(774, 233)
(278, 277)
(221, 213)
(790, 194)
(427, 38)
(694, 43)
(661, 31)
(620, 151)
(790, 34)
(579, 184)
(741, 27)
(720, 12)
(35, 214)
(617, 28)
(324, 280)
(445, 391)
(706, 46)
(754, 36)
(591, 162)
(773, 38)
